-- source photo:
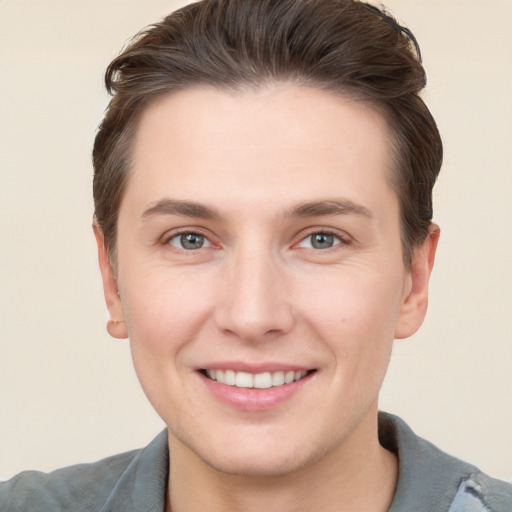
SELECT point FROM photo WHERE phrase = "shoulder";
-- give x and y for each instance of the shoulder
(434, 481)
(121, 482)
(81, 487)
(482, 493)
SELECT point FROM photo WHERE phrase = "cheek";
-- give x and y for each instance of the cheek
(359, 303)
(164, 311)
(355, 316)
(164, 314)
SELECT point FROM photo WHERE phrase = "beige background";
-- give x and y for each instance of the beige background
(68, 392)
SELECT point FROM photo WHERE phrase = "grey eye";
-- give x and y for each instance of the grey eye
(189, 241)
(322, 240)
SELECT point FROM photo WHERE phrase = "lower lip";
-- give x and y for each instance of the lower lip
(252, 399)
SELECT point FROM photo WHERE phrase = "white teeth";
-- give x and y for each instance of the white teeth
(289, 376)
(263, 380)
(259, 380)
(277, 378)
(229, 377)
(244, 380)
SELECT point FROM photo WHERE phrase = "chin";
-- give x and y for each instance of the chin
(260, 465)
(256, 456)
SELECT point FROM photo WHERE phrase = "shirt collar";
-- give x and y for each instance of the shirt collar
(143, 485)
(428, 478)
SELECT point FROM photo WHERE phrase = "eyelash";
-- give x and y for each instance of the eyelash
(341, 239)
(176, 236)
(338, 239)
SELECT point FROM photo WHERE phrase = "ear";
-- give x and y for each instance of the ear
(116, 326)
(415, 302)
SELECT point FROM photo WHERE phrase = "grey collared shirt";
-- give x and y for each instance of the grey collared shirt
(429, 481)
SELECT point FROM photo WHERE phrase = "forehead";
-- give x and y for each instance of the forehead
(207, 144)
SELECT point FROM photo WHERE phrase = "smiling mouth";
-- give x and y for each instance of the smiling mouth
(263, 380)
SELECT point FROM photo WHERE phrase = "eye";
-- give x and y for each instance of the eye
(320, 240)
(189, 241)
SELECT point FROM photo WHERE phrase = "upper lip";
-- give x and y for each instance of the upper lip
(255, 368)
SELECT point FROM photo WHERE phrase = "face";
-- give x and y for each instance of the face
(260, 274)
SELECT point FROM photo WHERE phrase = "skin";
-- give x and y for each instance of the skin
(258, 292)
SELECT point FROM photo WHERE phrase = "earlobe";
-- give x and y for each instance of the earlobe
(116, 326)
(414, 306)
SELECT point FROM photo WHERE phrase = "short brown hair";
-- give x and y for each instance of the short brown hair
(341, 46)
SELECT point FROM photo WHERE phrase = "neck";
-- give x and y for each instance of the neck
(356, 476)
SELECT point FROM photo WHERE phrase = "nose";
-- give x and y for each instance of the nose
(254, 305)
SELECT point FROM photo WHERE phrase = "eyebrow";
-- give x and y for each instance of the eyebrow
(301, 210)
(328, 207)
(183, 208)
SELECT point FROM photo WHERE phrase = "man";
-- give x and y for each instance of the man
(263, 181)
